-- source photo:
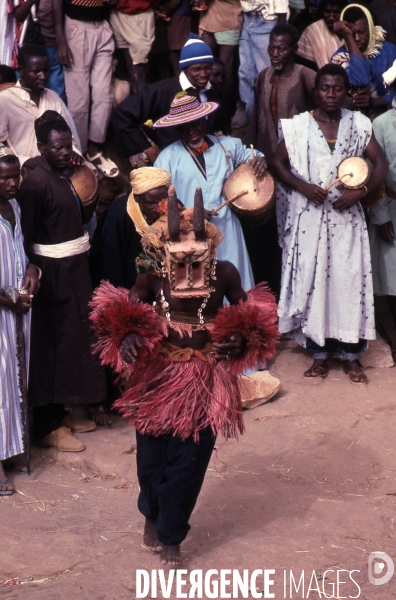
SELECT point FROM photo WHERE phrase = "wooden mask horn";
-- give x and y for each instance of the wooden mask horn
(173, 216)
(198, 220)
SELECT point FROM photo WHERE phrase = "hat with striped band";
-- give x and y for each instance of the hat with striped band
(184, 109)
(195, 51)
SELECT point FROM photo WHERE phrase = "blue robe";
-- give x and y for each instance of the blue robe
(365, 71)
(12, 270)
(186, 177)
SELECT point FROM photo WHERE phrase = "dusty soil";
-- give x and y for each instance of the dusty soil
(311, 485)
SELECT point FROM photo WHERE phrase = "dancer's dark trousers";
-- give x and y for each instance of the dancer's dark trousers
(171, 474)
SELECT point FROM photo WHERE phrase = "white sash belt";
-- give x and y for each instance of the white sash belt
(71, 248)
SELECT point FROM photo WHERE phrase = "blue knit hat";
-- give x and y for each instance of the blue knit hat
(195, 51)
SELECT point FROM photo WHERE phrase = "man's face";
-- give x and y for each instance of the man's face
(198, 75)
(331, 92)
(361, 33)
(35, 75)
(218, 74)
(331, 14)
(148, 203)
(193, 133)
(281, 51)
(9, 179)
(312, 8)
(58, 150)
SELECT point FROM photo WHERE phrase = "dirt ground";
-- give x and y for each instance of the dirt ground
(310, 486)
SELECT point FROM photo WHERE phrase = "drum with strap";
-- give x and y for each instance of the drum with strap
(353, 173)
(85, 183)
(251, 198)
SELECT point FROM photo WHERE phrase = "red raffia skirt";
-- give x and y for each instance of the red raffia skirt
(181, 398)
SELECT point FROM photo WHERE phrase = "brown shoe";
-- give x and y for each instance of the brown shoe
(78, 425)
(62, 439)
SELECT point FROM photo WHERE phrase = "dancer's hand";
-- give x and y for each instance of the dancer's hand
(233, 346)
(130, 346)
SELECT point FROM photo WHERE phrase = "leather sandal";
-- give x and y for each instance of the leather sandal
(362, 377)
(321, 372)
(6, 481)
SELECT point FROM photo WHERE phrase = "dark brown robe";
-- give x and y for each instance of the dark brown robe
(295, 95)
(62, 367)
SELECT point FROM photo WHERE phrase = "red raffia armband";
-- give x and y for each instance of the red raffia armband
(114, 315)
(256, 321)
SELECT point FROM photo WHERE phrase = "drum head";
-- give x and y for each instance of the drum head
(354, 171)
(85, 183)
(260, 190)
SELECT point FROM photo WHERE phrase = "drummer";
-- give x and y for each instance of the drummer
(326, 301)
(205, 161)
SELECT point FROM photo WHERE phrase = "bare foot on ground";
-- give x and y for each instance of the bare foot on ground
(170, 555)
(150, 539)
(100, 415)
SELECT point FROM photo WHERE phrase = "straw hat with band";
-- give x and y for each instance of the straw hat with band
(185, 109)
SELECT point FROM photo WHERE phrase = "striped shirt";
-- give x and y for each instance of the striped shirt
(318, 44)
(12, 269)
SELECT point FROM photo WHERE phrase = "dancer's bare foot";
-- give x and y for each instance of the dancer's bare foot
(318, 368)
(100, 415)
(171, 555)
(354, 369)
(150, 539)
(6, 488)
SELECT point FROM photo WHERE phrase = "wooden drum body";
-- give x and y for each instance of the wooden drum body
(85, 183)
(256, 206)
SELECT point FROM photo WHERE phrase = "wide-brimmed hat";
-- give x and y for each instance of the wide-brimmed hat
(185, 109)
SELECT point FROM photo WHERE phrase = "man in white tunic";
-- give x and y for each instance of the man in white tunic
(326, 301)
(205, 161)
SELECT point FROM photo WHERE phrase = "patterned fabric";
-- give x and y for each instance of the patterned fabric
(12, 269)
(327, 289)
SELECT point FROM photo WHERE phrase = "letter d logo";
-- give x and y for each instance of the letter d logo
(376, 566)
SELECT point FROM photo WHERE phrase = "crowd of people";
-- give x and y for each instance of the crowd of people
(160, 103)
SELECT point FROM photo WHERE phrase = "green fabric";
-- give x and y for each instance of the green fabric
(230, 37)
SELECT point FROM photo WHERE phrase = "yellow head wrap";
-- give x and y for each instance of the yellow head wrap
(377, 34)
(143, 180)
